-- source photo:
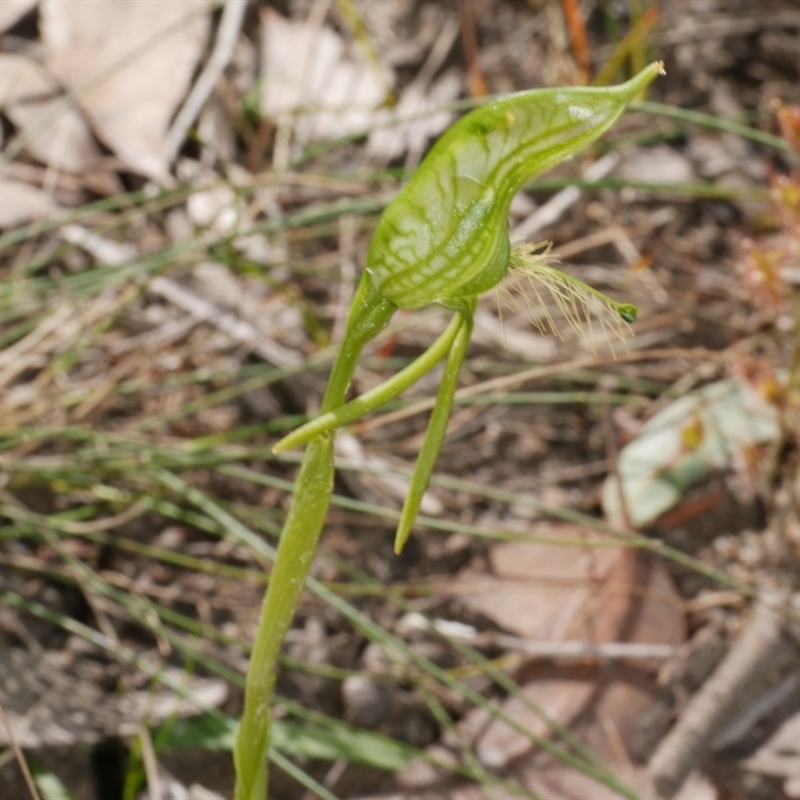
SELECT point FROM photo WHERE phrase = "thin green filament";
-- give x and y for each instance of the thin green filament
(533, 281)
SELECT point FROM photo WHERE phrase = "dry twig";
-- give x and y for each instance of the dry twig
(20, 756)
(692, 737)
(229, 27)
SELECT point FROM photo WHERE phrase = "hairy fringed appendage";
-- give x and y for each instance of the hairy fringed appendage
(549, 297)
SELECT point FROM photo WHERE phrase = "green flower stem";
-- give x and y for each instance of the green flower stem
(437, 428)
(298, 541)
(443, 239)
(374, 398)
(313, 487)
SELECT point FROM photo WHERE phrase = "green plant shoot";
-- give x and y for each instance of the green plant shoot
(443, 239)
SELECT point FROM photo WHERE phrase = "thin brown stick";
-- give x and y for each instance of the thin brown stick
(150, 764)
(577, 35)
(19, 755)
(691, 739)
(469, 38)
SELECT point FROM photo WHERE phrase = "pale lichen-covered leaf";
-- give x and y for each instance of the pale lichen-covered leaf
(697, 433)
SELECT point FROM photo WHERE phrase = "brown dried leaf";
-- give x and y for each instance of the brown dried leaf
(542, 591)
(142, 56)
(561, 700)
(308, 71)
(780, 755)
(560, 782)
(21, 203)
(594, 594)
(14, 10)
(425, 118)
(29, 97)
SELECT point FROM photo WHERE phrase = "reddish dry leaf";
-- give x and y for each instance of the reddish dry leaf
(594, 594)
(561, 700)
(650, 611)
(543, 591)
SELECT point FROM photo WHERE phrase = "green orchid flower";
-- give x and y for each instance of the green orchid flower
(442, 240)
